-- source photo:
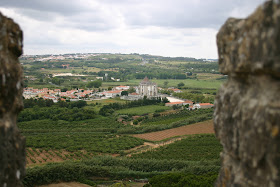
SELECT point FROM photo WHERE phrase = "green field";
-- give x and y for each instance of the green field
(142, 110)
(84, 130)
(196, 148)
(70, 141)
(182, 116)
(94, 136)
(190, 83)
(195, 157)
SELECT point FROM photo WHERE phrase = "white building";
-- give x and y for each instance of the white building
(122, 88)
(147, 88)
(112, 94)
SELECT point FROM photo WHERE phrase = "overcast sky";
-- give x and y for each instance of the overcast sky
(159, 27)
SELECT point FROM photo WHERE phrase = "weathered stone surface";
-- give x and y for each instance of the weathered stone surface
(247, 107)
(12, 144)
(251, 45)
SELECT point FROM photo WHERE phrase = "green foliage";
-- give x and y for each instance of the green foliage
(67, 171)
(118, 168)
(180, 116)
(91, 142)
(95, 84)
(57, 80)
(78, 128)
(30, 103)
(142, 110)
(94, 135)
(180, 85)
(131, 89)
(195, 96)
(107, 110)
(198, 147)
(56, 113)
(46, 109)
(165, 83)
(124, 93)
(165, 100)
(181, 179)
(168, 121)
(175, 107)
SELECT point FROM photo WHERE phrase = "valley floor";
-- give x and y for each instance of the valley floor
(205, 127)
(66, 184)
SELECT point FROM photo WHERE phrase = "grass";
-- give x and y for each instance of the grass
(205, 84)
(108, 101)
(193, 148)
(142, 110)
(177, 62)
(100, 103)
(208, 76)
(191, 83)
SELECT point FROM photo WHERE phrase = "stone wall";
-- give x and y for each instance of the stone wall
(12, 144)
(247, 107)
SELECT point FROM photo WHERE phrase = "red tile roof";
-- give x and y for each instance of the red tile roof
(134, 93)
(174, 103)
(205, 104)
(115, 91)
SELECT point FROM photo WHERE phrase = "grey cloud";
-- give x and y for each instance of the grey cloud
(70, 13)
(68, 7)
(183, 14)
(37, 14)
(162, 13)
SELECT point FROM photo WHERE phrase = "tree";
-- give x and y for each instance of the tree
(124, 93)
(64, 89)
(62, 103)
(165, 83)
(49, 102)
(174, 107)
(165, 100)
(41, 102)
(78, 104)
(95, 84)
(180, 85)
(131, 90)
(56, 81)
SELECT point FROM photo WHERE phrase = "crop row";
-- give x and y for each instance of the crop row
(100, 122)
(197, 148)
(36, 156)
(167, 119)
(187, 120)
(118, 168)
(83, 141)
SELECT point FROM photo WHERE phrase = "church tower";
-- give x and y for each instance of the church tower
(147, 88)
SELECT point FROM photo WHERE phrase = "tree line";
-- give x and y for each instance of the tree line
(107, 110)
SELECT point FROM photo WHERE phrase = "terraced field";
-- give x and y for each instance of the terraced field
(205, 127)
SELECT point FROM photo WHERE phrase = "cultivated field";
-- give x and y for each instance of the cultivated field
(66, 184)
(204, 127)
(191, 83)
(142, 110)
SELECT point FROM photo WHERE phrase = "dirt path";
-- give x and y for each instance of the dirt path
(66, 184)
(204, 127)
(149, 146)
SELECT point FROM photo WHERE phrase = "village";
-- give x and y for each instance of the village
(146, 88)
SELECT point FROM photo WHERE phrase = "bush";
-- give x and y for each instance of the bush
(67, 171)
(180, 179)
(156, 115)
(116, 168)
